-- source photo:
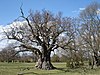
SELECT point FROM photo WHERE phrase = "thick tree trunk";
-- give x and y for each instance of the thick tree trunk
(95, 60)
(44, 62)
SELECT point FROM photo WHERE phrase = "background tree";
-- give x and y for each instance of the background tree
(90, 29)
(55, 58)
(73, 49)
(26, 57)
(7, 52)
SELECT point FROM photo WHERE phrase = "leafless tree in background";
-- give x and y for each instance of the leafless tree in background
(90, 29)
(7, 52)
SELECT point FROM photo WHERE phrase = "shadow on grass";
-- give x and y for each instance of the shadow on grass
(63, 69)
(73, 69)
(21, 73)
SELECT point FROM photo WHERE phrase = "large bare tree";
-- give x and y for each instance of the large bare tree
(90, 29)
(41, 33)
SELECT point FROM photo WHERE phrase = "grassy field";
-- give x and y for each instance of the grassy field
(28, 69)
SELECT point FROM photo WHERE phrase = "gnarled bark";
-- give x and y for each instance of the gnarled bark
(44, 62)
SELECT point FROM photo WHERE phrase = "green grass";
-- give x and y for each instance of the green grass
(15, 68)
